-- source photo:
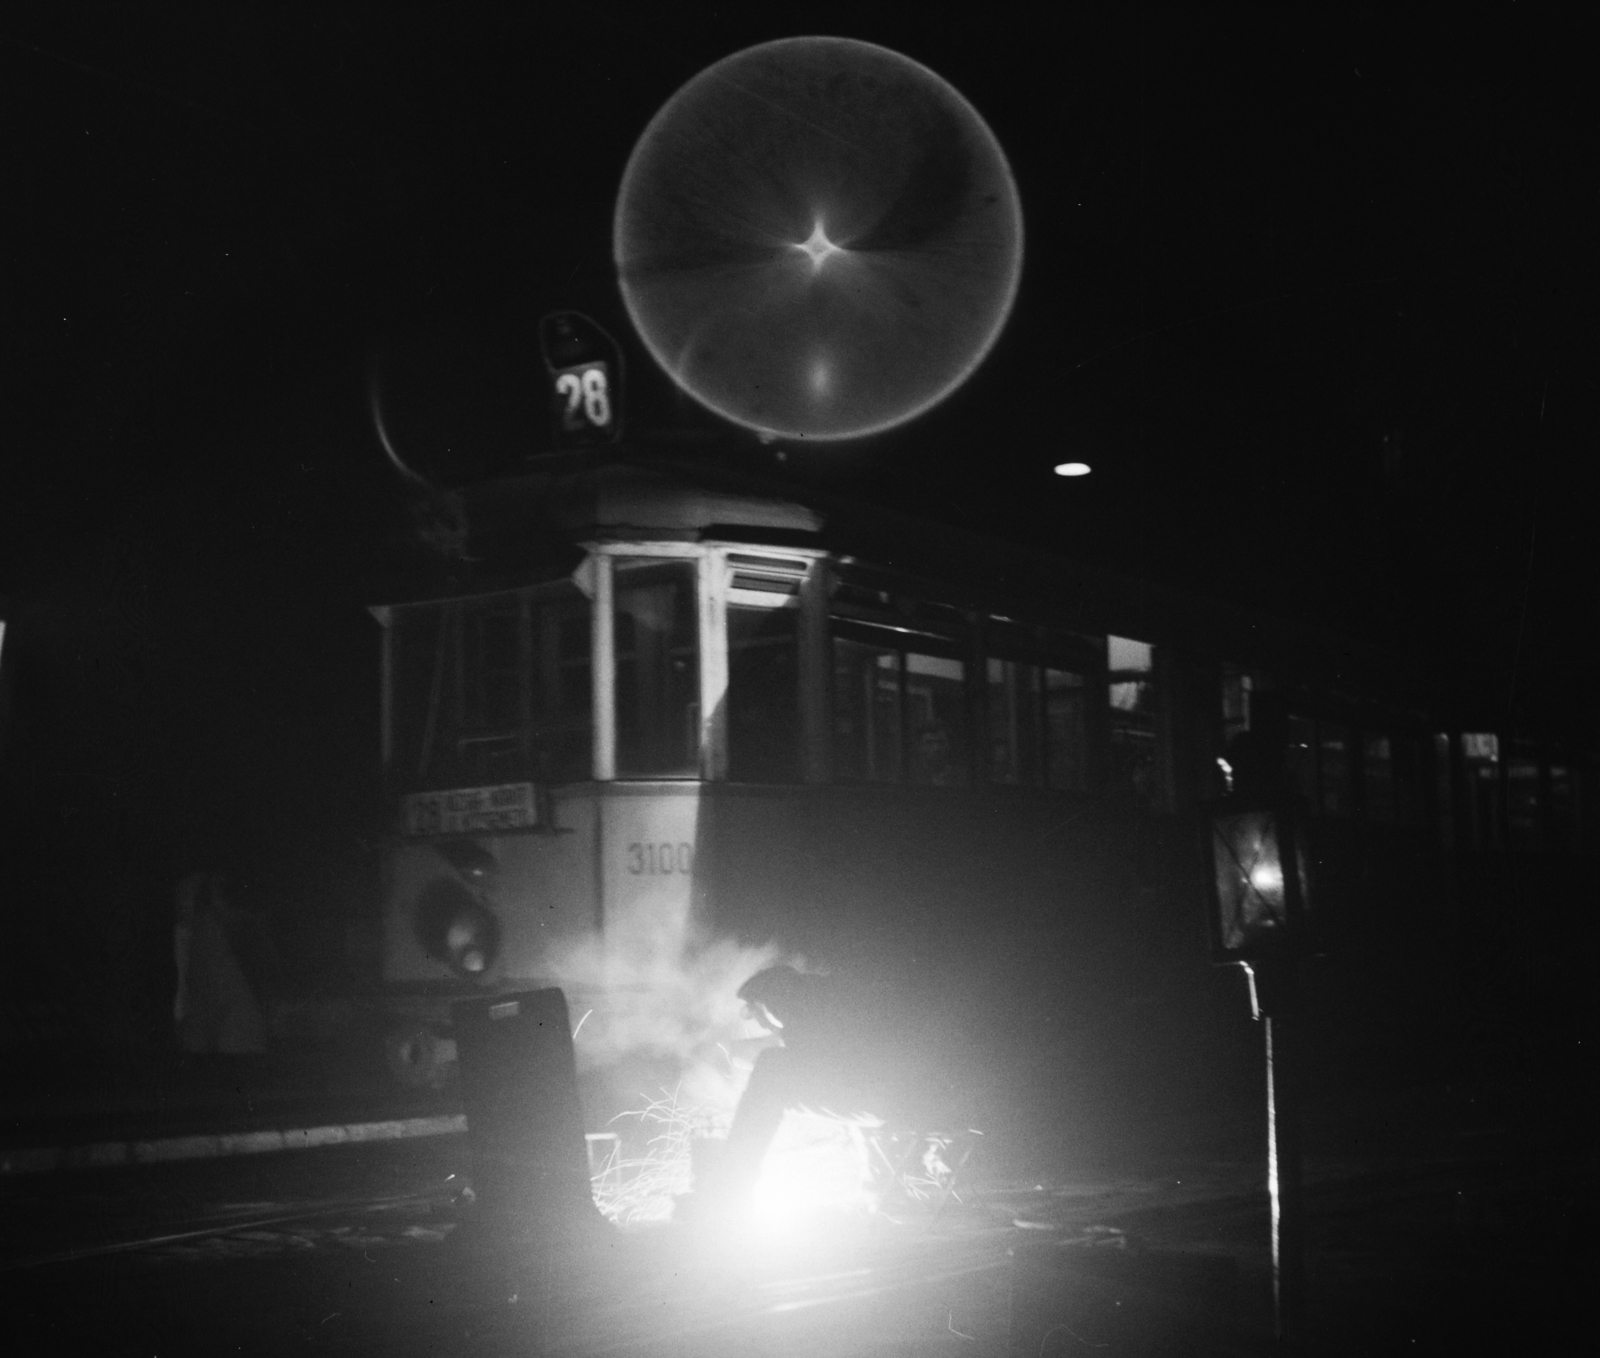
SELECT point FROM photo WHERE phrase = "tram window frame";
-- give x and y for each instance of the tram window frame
(1024, 744)
(1016, 722)
(1134, 728)
(1483, 802)
(656, 671)
(1562, 805)
(763, 727)
(1336, 750)
(939, 736)
(870, 750)
(1525, 798)
(878, 738)
(1441, 752)
(464, 737)
(1379, 791)
(1237, 689)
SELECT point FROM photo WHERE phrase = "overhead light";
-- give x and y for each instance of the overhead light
(1072, 469)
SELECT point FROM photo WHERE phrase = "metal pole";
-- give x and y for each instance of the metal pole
(1284, 1179)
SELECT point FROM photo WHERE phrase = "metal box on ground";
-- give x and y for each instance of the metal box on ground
(519, 1087)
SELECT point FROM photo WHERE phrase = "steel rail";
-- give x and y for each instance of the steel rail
(234, 1223)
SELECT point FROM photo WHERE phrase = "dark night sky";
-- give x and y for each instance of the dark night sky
(1315, 299)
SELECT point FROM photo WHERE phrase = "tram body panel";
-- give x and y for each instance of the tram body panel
(539, 886)
(898, 883)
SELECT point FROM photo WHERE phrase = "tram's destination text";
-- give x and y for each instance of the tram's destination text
(507, 806)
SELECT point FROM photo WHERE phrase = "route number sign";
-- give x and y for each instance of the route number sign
(585, 369)
(583, 398)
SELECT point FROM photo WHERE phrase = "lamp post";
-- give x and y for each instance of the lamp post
(1260, 922)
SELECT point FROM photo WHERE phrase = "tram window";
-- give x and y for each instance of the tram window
(421, 666)
(491, 690)
(1333, 768)
(763, 703)
(1443, 791)
(1480, 763)
(1238, 687)
(1131, 693)
(489, 659)
(1377, 778)
(866, 711)
(1300, 758)
(1563, 808)
(1523, 802)
(935, 698)
(1406, 778)
(1015, 720)
(1066, 734)
(658, 669)
(563, 696)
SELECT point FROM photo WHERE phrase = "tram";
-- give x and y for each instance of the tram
(644, 703)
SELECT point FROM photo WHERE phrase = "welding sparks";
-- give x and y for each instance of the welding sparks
(817, 1165)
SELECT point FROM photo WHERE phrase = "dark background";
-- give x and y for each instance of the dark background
(1315, 298)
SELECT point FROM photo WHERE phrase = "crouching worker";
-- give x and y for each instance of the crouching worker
(838, 1058)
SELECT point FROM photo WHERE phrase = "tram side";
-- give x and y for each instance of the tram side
(985, 808)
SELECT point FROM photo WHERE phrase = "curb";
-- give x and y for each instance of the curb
(172, 1149)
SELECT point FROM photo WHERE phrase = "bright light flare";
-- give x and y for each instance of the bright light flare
(817, 247)
(1267, 878)
(817, 1166)
(1072, 469)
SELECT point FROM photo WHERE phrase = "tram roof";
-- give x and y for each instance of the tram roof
(501, 531)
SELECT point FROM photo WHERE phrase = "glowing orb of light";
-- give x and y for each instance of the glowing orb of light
(818, 238)
(1072, 469)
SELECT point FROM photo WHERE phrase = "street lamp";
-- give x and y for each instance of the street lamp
(1261, 921)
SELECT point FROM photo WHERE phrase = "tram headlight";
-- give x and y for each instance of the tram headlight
(456, 928)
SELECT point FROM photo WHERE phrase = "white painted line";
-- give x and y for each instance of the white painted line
(101, 1155)
(168, 1150)
(305, 1138)
(37, 1161)
(251, 1143)
(379, 1131)
(177, 1148)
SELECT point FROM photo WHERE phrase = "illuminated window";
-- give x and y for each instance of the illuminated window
(1131, 695)
(658, 669)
